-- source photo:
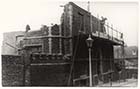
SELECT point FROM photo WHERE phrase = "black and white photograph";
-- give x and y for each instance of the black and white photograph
(77, 43)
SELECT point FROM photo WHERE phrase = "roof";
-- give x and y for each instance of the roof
(9, 42)
(129, 52)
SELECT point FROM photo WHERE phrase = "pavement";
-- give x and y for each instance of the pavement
(122, 83)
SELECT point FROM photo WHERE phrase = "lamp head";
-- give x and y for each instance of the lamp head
(89, 41)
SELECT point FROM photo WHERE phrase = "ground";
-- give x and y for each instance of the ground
(127, 83)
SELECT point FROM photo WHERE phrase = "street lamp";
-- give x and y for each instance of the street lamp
(89, 44)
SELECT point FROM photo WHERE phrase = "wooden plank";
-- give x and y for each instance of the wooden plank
(41, 64)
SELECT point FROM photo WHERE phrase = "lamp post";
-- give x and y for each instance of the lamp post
(89, 44)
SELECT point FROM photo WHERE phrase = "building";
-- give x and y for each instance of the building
(10, 40)
(130, 60)
(58, 55)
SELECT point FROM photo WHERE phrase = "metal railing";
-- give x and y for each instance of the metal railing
(109, 31)
(113, 33)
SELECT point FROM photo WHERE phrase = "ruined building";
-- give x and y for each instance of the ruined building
(58, 55)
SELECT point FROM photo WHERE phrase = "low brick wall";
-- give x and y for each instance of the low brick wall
(12, 70)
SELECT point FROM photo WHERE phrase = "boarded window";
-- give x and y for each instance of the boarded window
(81, 22)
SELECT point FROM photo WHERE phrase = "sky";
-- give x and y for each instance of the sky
(16, 14)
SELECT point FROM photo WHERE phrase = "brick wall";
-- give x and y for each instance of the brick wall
(49, 75)
(12, 70)
(49, 70)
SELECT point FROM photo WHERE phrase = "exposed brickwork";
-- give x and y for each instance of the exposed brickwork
(55, 30)
(56, 45)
